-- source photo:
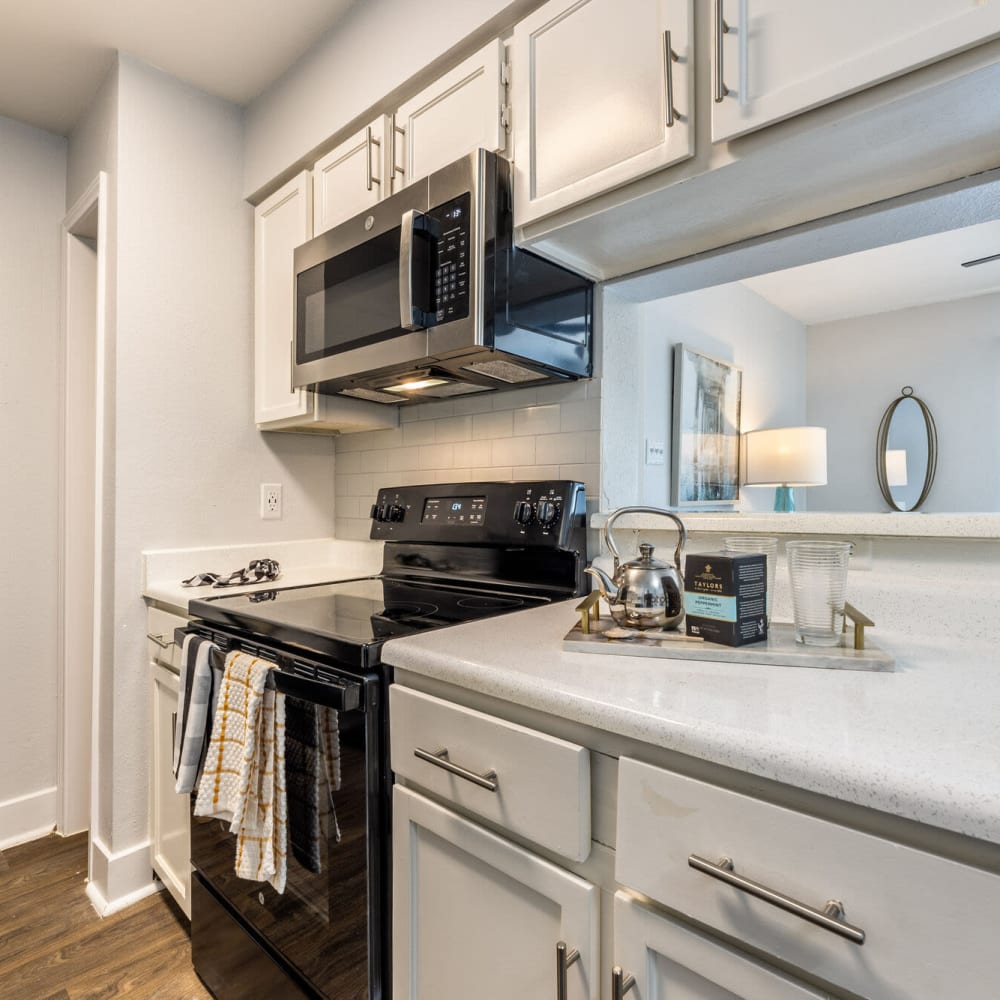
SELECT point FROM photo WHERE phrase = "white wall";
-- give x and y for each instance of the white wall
(185, 457)
(32, 197)
(728, 322)
(950, 353)
(552, 432)
(376, 47)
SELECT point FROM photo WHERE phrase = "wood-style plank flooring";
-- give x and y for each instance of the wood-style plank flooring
(53, 946)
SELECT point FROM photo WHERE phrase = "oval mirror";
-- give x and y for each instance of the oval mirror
(906, 452)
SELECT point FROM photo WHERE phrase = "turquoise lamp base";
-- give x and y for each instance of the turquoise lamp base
(784, 499)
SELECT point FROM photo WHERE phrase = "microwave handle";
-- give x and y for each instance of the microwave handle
(415, 226)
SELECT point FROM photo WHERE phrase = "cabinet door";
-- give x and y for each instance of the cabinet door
(475, 916)
(170, 822)
(281, 223)
(781, 57)
(456, 114)
(351, 177)
(669, 959)
(591, 112)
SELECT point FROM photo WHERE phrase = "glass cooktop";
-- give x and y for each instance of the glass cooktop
(334, 617)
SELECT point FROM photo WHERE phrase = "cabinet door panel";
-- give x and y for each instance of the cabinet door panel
(458, 113)
(350, 177)
(670, 959)
(476, 916)
(782, 57)
(281, 223)
(590, 90)
(170, 820)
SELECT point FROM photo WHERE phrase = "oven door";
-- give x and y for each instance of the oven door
(325, 933)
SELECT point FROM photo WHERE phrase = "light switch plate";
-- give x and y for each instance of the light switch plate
(656, 453)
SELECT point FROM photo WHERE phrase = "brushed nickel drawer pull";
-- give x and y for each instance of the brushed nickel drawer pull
(160, 640)
(564, 959)
(621, 983)
(487, 780)
(830, 917)
(670, 57)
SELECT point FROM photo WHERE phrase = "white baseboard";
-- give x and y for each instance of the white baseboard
(27, 817)
(119, 879)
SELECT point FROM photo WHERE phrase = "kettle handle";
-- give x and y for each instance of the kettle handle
(610, 542)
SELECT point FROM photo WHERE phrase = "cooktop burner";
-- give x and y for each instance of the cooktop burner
(490, 602)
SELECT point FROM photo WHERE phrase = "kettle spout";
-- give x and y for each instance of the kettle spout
(607, 585)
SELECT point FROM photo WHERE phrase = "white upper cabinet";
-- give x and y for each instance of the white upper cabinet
(782, 57)
(281, 223)
(351, 177)
(602, 95)
(461, 111)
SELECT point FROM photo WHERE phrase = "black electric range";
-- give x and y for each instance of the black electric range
(453, 553)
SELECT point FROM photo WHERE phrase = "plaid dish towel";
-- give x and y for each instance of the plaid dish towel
(196, 709)
(243, 780)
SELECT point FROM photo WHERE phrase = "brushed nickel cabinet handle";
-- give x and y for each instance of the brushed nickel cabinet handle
(621, 983)
(487, 780)
(564, 959)
(160, 640)
(370, 140)
(395, 130)
(830, 918)
(669, 58)
(721, 28)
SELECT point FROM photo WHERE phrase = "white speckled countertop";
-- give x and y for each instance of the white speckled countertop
(316, 560)
(922, 742)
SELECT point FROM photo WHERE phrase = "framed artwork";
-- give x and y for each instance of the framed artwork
(706, 431)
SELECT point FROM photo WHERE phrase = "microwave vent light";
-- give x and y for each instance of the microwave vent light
(415, 385)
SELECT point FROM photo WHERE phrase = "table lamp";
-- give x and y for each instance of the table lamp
(785, 457)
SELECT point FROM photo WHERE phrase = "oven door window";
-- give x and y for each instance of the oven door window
(349, 301)
(320, 924)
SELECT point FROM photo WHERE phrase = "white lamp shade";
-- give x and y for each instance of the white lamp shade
(895, 466)
(786, 456)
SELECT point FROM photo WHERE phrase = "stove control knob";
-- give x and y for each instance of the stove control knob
(524, 512)
(374, 512)
(548, 513)
(397, 512)
(383, 512)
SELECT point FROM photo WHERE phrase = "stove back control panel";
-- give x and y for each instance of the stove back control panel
(543, 512)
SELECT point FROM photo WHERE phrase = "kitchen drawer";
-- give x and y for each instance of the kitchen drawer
(160, 627)
(930, 924)
(542, 784)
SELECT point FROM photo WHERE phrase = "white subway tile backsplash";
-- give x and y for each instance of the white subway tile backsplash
(391, 438)
(399, 459)
(584, 415)
(536, 472)
(490, 474)
(537, 420)
(473, 453)
(479, 402)
(513, 451)
(373, 461)
(437, 456)
(355, 529)
(358, 486)
(493, 425)
(559, 449)
(359, 441)
(593, 446)
(562, 393)
(589, 475)
(348, 507)
(347, 462)
(453, 429)
(420, 432)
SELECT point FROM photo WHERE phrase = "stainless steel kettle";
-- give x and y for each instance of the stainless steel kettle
(644, 593)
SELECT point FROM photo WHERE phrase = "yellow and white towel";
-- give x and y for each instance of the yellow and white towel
(243, 780)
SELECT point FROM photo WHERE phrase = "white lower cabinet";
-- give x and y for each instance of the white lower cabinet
(169, 813)
(475, 917)
(659, 957)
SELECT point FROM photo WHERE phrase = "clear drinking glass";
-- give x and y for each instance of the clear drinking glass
(818, 572)
(757, 543)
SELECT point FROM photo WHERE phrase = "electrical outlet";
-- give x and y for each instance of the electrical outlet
(656, 453)
(270, 501)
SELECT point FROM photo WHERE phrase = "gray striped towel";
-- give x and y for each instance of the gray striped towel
(196, 708)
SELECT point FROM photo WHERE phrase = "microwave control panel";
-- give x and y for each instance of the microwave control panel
(451, 260)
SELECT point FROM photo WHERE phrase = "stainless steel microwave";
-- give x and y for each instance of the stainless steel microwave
(425, 296)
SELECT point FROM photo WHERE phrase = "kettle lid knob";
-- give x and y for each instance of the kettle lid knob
(646, 552)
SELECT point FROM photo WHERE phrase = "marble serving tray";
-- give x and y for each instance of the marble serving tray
(779, 649)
